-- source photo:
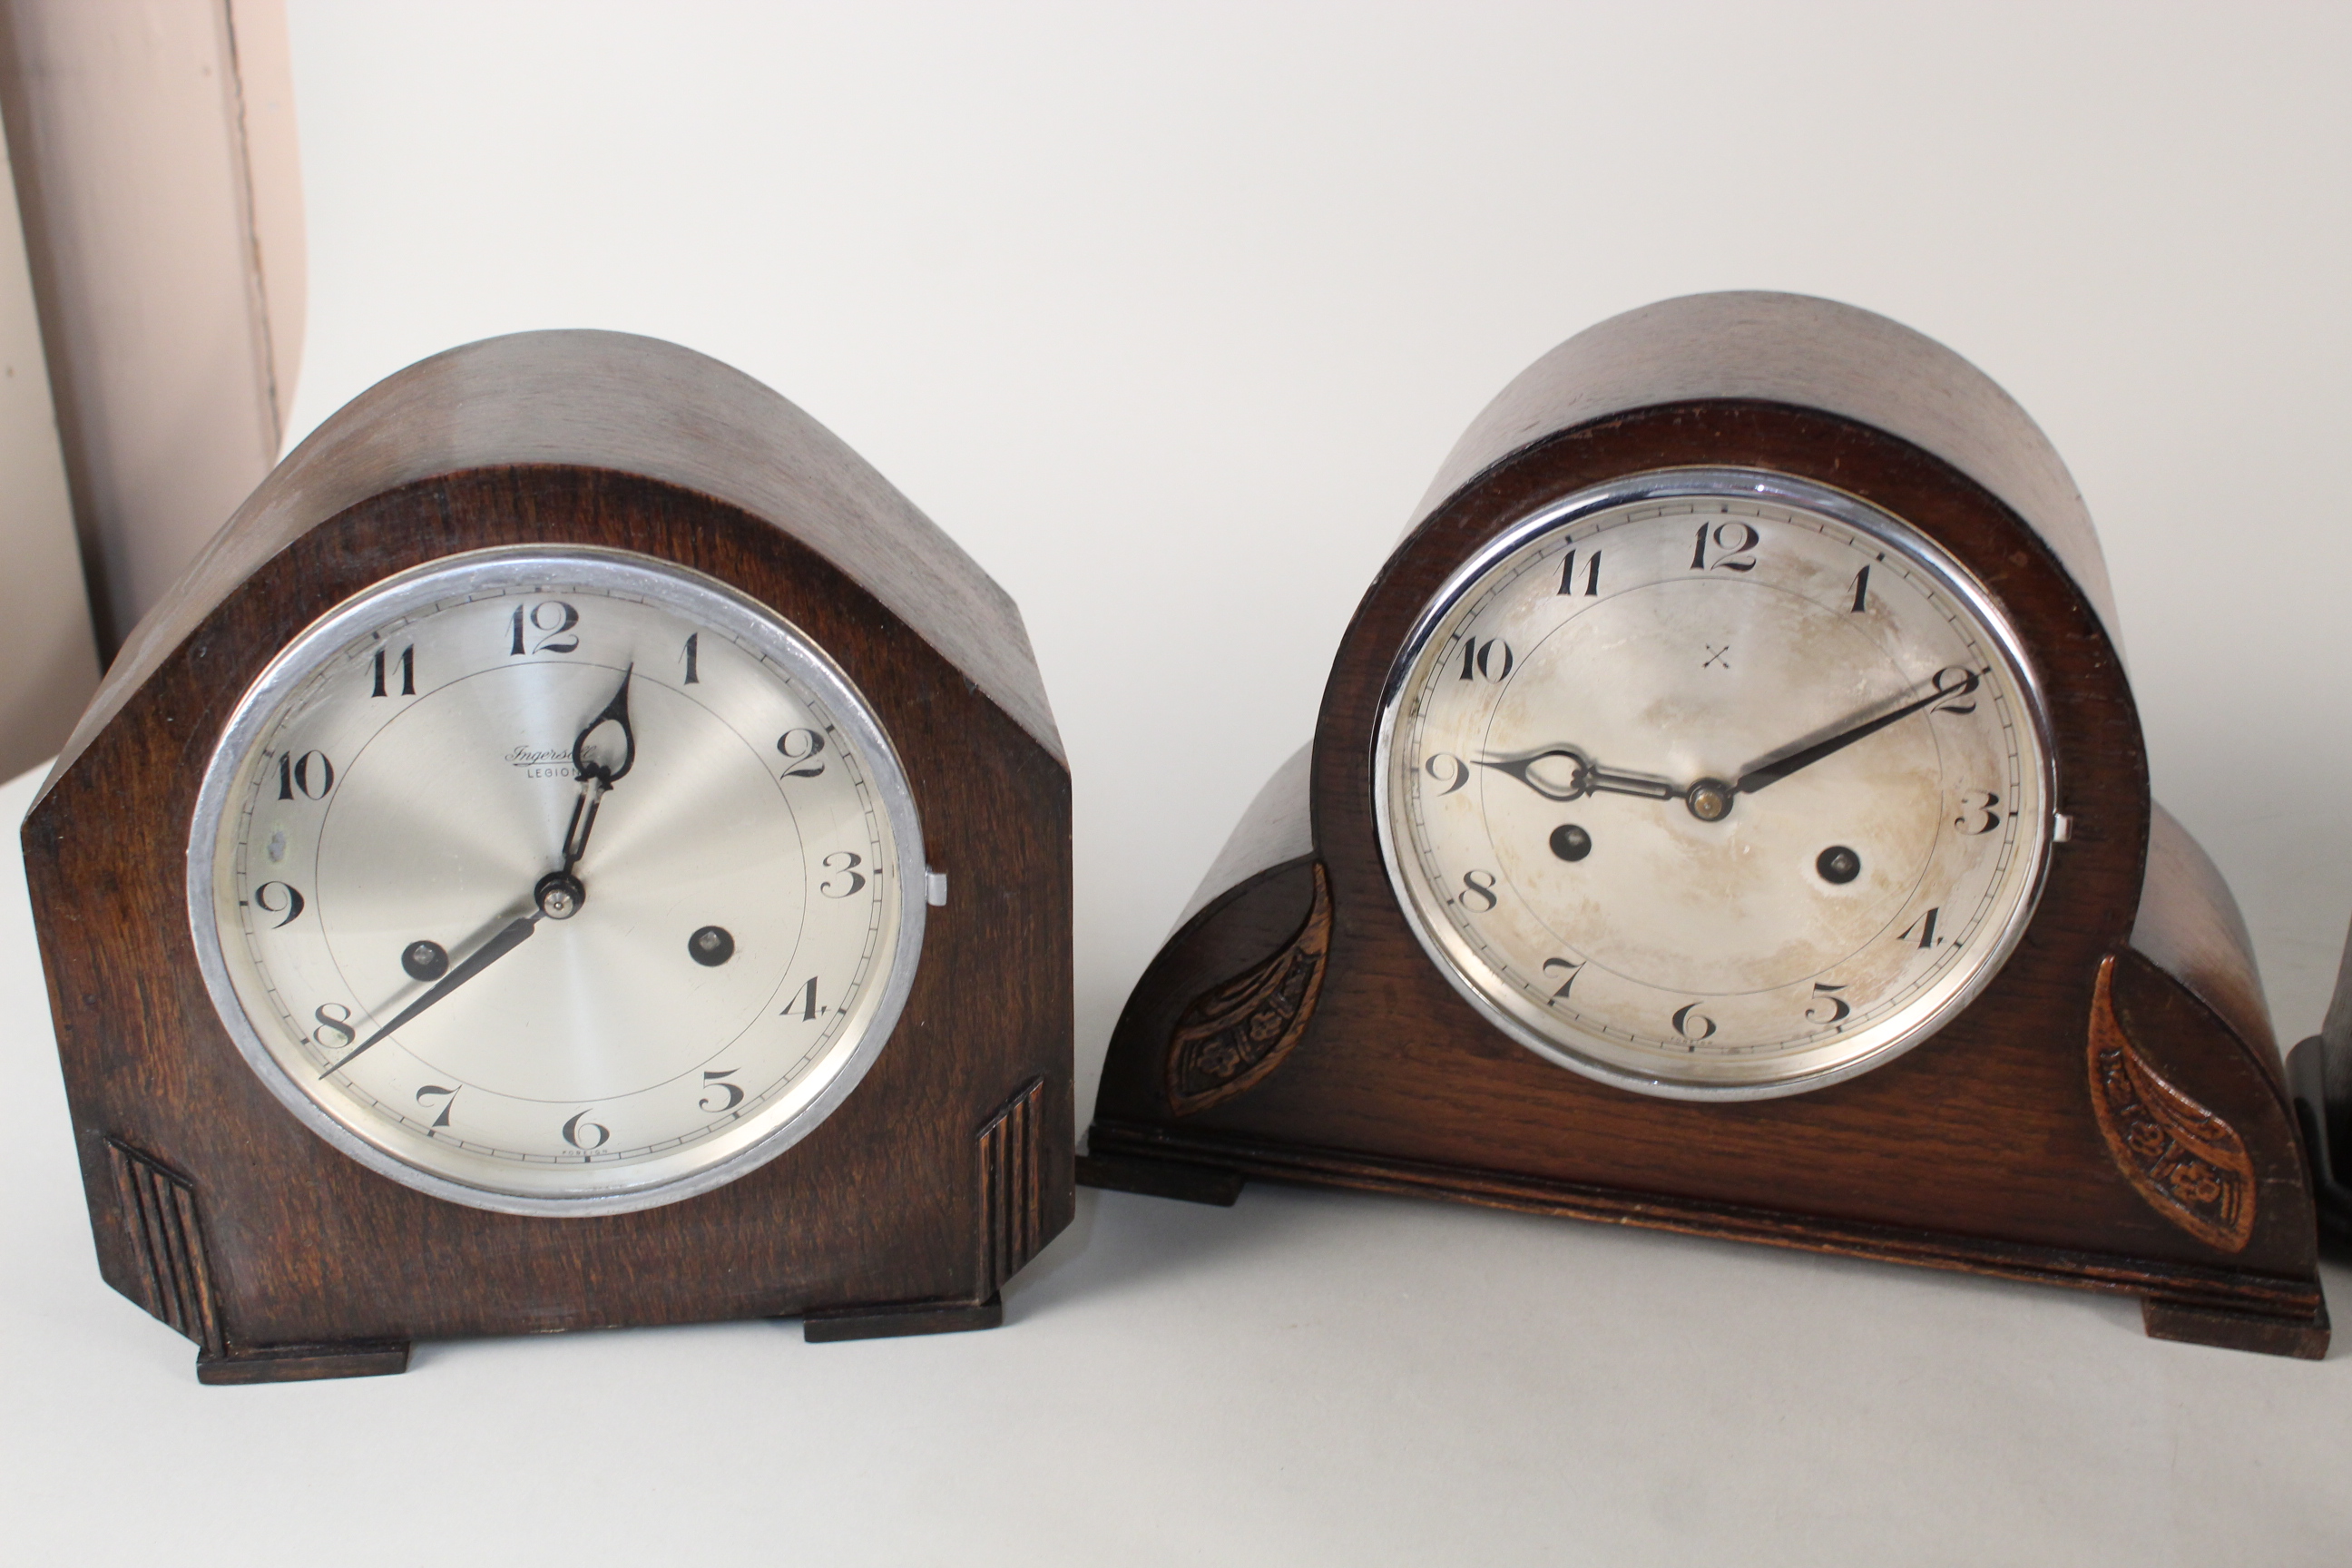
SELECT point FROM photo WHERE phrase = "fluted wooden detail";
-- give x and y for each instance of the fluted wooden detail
(159, 1211)
(1011, 1198)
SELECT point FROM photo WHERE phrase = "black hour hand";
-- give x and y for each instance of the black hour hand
(1563, 773)
(606, 748)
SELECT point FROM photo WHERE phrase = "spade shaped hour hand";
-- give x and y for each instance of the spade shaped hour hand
(1563, 773)
(606, 748)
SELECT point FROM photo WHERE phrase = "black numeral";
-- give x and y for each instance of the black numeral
(1733, 543)
(1592, 576)
(1475, 894)
(1491, 659)
(847, 867)
(292, 909)
(693, 647)
(1686, 1017)
(1862, 591)
(1977, 812)
(734, 1092)
(552, 619)
(310, 775)
(584, 1135)
(440, 1089)
(800, 747)
(339, 1026)
(1442, 766)
(804, 1000)
(1922, 930)
(1840, 1007)
(1953, 683)
(407, 672)
(1566, 968)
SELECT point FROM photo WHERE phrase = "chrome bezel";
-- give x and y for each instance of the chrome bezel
(1460, 965)
(523, 567)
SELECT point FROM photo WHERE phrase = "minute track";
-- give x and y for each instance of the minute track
(588, 787)
(1717, 912)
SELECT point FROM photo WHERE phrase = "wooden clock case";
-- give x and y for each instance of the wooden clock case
(903, 1212)
(2321, 1071)
(2109, 1113)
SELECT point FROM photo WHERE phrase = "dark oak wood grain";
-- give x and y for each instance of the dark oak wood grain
(1981, 1149)
(912, 1203)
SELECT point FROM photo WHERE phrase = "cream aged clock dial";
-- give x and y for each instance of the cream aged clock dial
(1729, 812)
(556, 881)
(1715, 783)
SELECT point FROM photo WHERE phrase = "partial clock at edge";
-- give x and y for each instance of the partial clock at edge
(2320, 1069)
(1728, 813)
(578, 849)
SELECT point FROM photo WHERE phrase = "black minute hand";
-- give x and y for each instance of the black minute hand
(511, 936)
(1772, 770)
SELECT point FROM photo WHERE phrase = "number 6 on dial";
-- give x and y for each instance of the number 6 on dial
(1727, 812)
(552, 715)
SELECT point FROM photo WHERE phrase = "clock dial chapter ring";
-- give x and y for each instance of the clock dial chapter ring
(1713, 783)
(664, 760)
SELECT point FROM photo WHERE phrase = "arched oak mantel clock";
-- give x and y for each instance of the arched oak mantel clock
(1728, 813)
(578, 849)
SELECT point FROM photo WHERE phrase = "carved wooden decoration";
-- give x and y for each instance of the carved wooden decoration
(2104, 1110)
(2185, 1160)
(904, 1203)
(1233, 1036)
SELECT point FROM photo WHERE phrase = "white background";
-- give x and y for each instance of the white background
(1167, 314)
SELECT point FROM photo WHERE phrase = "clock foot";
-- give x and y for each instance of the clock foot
(302, 1364)
(1159, 1179)
(2229, 1329)
(888, 1320)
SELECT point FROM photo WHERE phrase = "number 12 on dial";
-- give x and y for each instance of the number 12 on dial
(1753, 812)
(526, 865)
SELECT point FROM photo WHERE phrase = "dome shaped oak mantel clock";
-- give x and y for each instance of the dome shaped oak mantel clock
(1728, 813)
(578, 849)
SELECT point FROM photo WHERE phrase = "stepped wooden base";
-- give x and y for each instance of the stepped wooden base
(1159, 1179)
(382, 1358)
(304, 1363)
(2235, 1330)
(2179, 1301)
(889, 1320)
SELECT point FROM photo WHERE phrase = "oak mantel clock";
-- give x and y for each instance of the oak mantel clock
(578, 849)
(1728, 813)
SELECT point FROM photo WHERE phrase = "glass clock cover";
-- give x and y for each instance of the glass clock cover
(1715, 784)
(556, 881)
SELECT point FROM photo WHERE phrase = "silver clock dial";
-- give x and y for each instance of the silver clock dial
(1715, 784)
(557, 880)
